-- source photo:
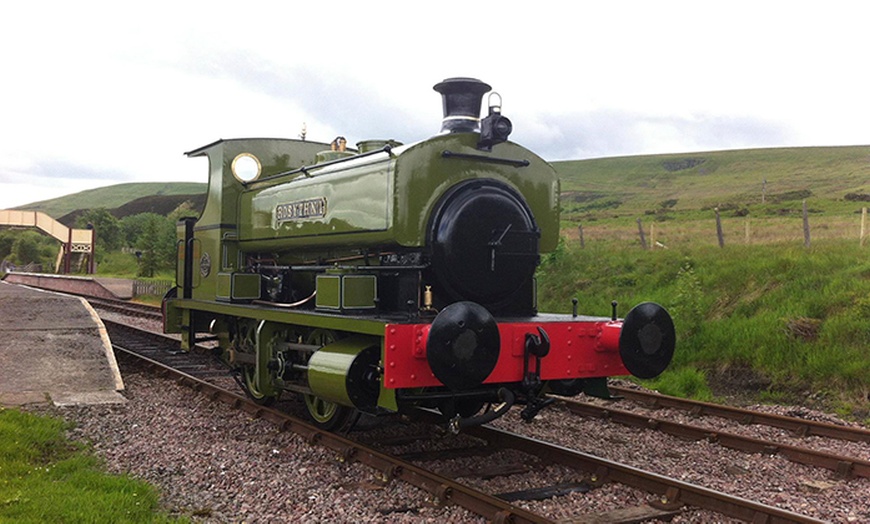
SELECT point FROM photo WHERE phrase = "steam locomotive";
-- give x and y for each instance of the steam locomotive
(391, 277)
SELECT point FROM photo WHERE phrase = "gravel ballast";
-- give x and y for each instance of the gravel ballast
(215, 464)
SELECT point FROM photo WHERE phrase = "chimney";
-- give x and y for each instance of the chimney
(461, 97)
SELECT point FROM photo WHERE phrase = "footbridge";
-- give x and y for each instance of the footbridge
(74, 242)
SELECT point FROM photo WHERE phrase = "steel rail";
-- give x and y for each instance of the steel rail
(674, 493)
(799, 426)
(129, 308)
(845, 466)
(443, 489)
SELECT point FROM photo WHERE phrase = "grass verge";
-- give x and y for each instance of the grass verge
(791, 320)
(46, 478)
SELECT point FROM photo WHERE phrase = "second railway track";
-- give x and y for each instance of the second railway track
(843, 465)
(797, 425)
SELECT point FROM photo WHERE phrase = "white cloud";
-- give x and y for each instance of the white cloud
(101, 90)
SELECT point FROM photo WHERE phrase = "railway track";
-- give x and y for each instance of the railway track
(796, 425)
(199, 371)
(845, 466)
(126, 308)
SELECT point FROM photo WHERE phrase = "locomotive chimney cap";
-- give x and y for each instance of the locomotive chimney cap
(461, 98)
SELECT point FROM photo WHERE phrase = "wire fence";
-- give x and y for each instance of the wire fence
(802, 227)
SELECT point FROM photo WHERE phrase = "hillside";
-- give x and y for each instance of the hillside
(158, 204)
(759, 194)
(695, 181)
(765, 314)
(111, 197)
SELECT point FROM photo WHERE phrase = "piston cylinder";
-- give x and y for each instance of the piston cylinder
(346, 372)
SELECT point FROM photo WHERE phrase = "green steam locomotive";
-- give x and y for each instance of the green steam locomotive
(394, 276)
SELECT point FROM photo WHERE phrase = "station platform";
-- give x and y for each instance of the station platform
(54, 348)
(109, 288)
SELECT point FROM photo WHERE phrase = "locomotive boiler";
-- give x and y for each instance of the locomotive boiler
(390, 277)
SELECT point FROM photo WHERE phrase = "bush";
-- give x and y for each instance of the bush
(29, 247)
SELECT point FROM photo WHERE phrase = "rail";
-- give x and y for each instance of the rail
(844, 466)
(800, 427)
(673, 492)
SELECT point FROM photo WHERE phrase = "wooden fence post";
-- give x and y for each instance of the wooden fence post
(640, 232)
(746, 227)
(580, 230)
(806, 226)
(719, 233)
(863, 224)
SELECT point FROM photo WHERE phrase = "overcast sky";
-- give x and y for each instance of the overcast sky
(95, 94)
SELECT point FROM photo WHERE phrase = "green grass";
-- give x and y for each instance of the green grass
(678, 195)
(685, 381)
(46, 478)
(717, 178)
(795, 316)
(118, 265)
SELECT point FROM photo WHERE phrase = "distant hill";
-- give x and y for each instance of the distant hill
(112, 197)
(159, 204)
(826, 176)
